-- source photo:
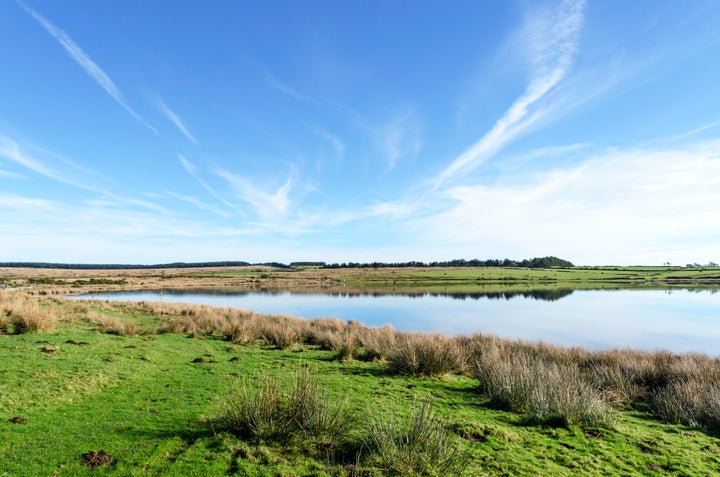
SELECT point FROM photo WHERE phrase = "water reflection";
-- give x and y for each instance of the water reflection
(677, 320)
(545, 295)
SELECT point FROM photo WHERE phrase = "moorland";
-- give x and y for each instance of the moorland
(110, 388)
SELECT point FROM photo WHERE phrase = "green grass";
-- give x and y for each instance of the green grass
(503, 280)
(148, 403)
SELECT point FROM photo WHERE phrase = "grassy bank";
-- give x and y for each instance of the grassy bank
(155, 387)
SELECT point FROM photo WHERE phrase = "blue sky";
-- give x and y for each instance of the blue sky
(156, 131)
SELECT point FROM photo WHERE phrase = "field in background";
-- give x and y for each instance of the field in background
(413, 280)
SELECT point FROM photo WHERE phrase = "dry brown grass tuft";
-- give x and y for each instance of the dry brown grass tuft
(19, 313)
(377, 343)
(419, 354)
(546, 390)
(113, 325)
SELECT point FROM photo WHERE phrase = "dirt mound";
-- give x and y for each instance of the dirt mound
(77, 343)
(198, 360)
(18, 420)
(96, 459)
(47, 350)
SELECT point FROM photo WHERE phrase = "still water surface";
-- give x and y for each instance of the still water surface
(677, 320)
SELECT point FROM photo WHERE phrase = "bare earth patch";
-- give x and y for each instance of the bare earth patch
(96, 459)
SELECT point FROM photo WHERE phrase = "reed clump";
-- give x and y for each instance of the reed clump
(297, 412)
(691, 395)
(546, 391)
(419, 354)
(420, 445)
(20, 314)
(114, 325)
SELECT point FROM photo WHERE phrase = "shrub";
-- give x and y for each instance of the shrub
(421, 446)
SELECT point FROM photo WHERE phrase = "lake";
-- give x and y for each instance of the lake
(678, 320)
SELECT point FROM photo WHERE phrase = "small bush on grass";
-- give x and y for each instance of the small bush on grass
(421, 446)
(298, 412)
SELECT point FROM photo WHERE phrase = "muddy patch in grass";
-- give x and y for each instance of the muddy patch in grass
(18, 420)
(593, 434)
(77, 343)
(96, 459)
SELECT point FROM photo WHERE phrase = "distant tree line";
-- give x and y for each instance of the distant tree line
(541, 262)
(307, 264)
(538, 262)
(114, 266)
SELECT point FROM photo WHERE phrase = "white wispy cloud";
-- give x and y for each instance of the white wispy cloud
(87, 64)
(24, 204)
(399, 137)
(337, 144)
(284, 88)
(269, 206)
(621, 206)
(191, 169)
(197, 203)
(105, 231)
(50, 165)
(67, 172)
(378, 212)
(174, 118)
(552, 36)
(10, 175)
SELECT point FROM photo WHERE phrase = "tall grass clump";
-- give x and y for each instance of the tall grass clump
(19, 314)
(298, 412)
(281, 331)
(692, 394)
(324, 332)
(376, 343)
(418, 354)
(421, 445)
(113, 325)
(545, 391)
(692, 403)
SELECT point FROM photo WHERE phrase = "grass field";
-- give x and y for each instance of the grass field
(146, 387)
(392, 280)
